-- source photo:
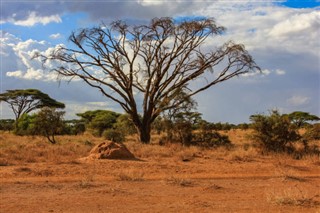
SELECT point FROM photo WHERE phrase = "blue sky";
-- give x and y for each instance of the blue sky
(282, 36)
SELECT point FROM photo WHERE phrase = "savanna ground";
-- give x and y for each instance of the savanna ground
(36, 176)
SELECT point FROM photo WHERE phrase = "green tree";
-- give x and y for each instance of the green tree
(154, 61)
(24, 101)
(49, 122)
(25, 125)
(74, 127)
(125, 125)
(274, 132)
(302, 118)
(99, 120)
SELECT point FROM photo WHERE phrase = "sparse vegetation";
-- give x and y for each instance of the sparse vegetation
(292, 197)
(130, 175)
(172, 171)
(274, 132)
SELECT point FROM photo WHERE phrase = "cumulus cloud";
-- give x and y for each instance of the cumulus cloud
(18, 54)
(296, 24)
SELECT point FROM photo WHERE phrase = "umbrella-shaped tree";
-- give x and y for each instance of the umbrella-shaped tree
(26, 100)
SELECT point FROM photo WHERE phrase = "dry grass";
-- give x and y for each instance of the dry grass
(292, 197)
(156, 151)
(185, 182)
(16, 149)
(130, 175)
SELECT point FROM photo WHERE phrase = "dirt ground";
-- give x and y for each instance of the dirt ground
(194, 180)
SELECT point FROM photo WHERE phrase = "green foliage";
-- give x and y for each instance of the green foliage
(49, 123)
(99, 120)
(114, 135)
(25, 125)
(243, 126)
(312, 133)
(125, 125)
(211, 139)
(74, 127)
(274, 132)
(206, 137)
(301, 119)
(222, 126)
(7, 124)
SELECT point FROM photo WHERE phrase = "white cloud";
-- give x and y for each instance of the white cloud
(296, 24)
(34, 19)
(298, 100)
(55, 36)
(151, 2)
(17, 74)
(18, 58)
(264, 72)
(280, 72)
(264, 26)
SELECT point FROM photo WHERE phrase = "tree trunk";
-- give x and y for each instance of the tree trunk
(144, 132)
(51, 140)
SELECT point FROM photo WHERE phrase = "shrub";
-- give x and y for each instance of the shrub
(274, 132)
(312, 133)
(211, 139)
(114, 135)
(25, 125)
(7, 124)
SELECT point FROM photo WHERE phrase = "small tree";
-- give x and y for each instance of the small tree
(154, 61)
(274, 132)
(24, 101)
(49, 122)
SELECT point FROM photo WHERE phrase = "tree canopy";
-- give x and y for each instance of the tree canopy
(99, 120)
(144, 68)
(26, 100)
(302, 118)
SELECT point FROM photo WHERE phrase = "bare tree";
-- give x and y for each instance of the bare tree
(152, 63)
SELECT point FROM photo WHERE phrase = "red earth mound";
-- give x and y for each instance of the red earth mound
(110, 150)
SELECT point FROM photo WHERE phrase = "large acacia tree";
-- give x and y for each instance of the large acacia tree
(26, 100)
(145, 67)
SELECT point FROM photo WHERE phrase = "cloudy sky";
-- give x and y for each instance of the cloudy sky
(282, 36)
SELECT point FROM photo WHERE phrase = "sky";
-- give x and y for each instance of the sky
(282, 36)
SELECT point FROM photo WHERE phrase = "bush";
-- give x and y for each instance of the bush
(7, 124)
(114, 135)
(312, 133)
(25, 125)
(274, 132)
(211, 139)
